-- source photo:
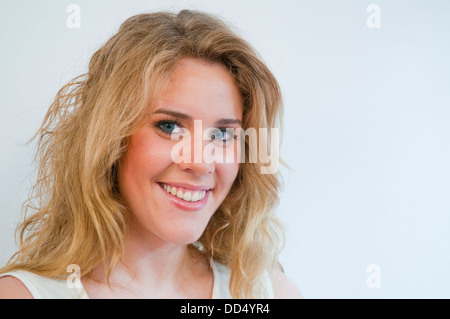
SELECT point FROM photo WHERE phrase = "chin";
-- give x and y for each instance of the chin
(183, 237)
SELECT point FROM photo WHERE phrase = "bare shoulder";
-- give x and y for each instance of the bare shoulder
(13, 288)
(283, 287)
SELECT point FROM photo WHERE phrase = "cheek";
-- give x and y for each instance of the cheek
(146, 157)
(226, 173)
(147, 150)
(231, 154)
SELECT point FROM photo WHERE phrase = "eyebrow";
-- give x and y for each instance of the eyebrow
(224, 121)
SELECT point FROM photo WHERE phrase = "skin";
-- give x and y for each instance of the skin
(158, 262)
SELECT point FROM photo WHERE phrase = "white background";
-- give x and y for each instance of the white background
(366, 127)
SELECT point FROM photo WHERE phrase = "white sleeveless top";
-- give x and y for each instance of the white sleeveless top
(48, 288)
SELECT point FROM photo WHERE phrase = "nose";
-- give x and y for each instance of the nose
(198, 169)
(195, 162)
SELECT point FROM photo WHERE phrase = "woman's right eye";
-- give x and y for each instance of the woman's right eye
(169, 127)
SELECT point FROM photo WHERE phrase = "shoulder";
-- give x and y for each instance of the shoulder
(283, 287)
(13, 288)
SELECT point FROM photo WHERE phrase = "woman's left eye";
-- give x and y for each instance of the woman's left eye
(222, 134)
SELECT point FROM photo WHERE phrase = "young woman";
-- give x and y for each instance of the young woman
(111, 201)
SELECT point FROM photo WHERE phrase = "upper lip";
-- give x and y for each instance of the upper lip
(189, 186)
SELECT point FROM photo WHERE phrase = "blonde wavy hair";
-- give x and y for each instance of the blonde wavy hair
(77, 211)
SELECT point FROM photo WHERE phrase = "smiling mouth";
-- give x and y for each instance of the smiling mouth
(184, 194)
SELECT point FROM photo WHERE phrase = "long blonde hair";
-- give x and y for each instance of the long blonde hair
(77, 211)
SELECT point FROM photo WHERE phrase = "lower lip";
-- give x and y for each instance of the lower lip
(184, 205)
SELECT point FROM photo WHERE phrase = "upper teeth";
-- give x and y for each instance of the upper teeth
(187, 195)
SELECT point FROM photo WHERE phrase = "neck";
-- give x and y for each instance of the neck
(151, 266)
(152, 258)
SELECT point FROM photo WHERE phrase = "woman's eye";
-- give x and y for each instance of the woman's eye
(169, 127)
(222, 135)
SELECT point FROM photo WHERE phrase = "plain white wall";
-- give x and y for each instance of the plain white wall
(366, 127)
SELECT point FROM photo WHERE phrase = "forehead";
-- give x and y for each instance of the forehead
(201, 89)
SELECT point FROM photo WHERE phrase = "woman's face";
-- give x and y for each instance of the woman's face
(175, 200)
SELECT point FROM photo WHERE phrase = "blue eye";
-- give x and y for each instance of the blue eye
(222, 134)
(169, 126)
